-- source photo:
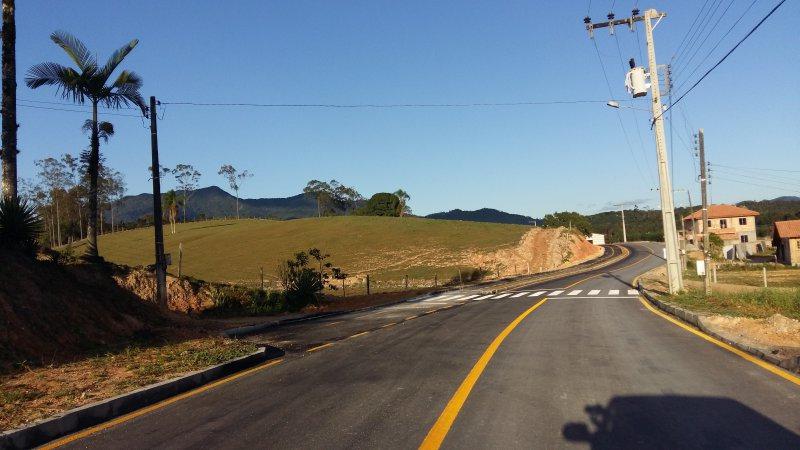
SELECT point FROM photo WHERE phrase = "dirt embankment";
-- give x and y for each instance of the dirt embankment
(183, 295)
(539, 250)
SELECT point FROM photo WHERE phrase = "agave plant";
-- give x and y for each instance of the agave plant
(20, 225)
(90, 83)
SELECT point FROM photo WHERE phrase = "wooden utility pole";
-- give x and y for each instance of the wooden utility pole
(161, 267)
(624, 231)
(701, 148)
(8, 151)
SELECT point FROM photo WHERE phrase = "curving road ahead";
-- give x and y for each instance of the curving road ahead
(576, 362)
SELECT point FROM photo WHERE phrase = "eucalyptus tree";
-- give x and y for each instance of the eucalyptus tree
(54, 177)
(187, 177)
(8, 148)
(234, 178)
(90, 83)
(404, 198)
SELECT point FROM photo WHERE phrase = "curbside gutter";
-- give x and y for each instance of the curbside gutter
(85, 416)
(791, 364)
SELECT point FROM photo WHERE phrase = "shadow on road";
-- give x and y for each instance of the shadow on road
(678, 422)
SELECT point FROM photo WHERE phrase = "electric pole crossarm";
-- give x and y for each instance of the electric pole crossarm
(629, 21)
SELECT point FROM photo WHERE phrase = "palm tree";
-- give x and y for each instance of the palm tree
(404, 198)
(9, 125)
(89, 83)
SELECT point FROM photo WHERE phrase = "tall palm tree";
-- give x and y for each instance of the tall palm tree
(90, 83)
(9, 123)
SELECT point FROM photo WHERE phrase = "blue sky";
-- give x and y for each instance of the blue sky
(523, 159)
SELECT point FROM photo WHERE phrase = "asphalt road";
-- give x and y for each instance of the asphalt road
(589, 367)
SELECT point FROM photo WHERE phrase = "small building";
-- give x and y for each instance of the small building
(786, 239)
(736, 227)
(597, 239)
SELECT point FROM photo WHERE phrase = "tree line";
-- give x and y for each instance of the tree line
(334, 198)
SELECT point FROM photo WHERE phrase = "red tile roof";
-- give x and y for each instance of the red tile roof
(788, 228)
(721, 212)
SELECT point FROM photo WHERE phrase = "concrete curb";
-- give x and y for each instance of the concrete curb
(85, 416)
(790, 364)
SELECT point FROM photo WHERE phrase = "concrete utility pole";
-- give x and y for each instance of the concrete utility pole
(701, 148)
(161, 266)
(674, 272)
(624, 233)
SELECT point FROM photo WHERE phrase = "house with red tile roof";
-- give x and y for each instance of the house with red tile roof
(736, 226)
(786, 239)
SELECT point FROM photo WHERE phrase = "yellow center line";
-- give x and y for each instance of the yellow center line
(759, 362)
(442, 426)
(358, 334)
(319, 347)
(139, 412)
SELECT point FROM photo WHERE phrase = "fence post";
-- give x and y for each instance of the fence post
(529, 267)
(515, 269)
(435, 281)
(261, 268)
(367, 284)
(344, 293)
(714, 270)
(406, 282)
(460, 280)
(497, 269)
(180, 258)
(765, 275)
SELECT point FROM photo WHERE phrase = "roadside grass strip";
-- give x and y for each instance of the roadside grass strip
(757, 361)
(438, 432)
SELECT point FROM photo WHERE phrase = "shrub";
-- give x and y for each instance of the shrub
(302, 283)
(20, 226)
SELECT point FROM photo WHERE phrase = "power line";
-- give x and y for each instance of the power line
(712, 10)
(382, 105)
(723, 58)
(78, 111)
(760, 185)
(708, 34)
(679, 50)
(793, 183)
(72, 104)
(705, 58)
(757, 168)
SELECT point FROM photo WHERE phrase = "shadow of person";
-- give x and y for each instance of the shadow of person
(673, 421)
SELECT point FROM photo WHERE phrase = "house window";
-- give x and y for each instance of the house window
(709, 224)
(742, 220)
(744, 238)
(723, 223)
(798, 245)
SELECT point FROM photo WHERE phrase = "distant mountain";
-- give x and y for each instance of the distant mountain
(485, 215)
(787, 198)
(214, 202)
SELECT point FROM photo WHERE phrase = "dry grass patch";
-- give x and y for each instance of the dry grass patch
(31, 394)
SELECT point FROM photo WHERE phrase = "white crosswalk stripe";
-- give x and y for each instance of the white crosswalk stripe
(484, 297)
(536, 294)
(501, 296)
(575, 292)
(470, 297)
(518, 295)
(456, 297)
(556, 292)
(633, 292)
(613, 292)
(594, 292)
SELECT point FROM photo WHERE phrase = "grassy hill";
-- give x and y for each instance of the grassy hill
(385, 247)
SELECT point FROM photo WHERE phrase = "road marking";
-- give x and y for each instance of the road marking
(439, 431)
(319, 347)
(518, 295)
(761, 363)
(613, 292)
(139, 412)
(597, 297)
(536, 294)
(633, 292)
(455, 297)
(501, 295)
(471, 297)
(556, 292)
(594, 292)
(575, 292)
(358, 334)
(484, 297)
